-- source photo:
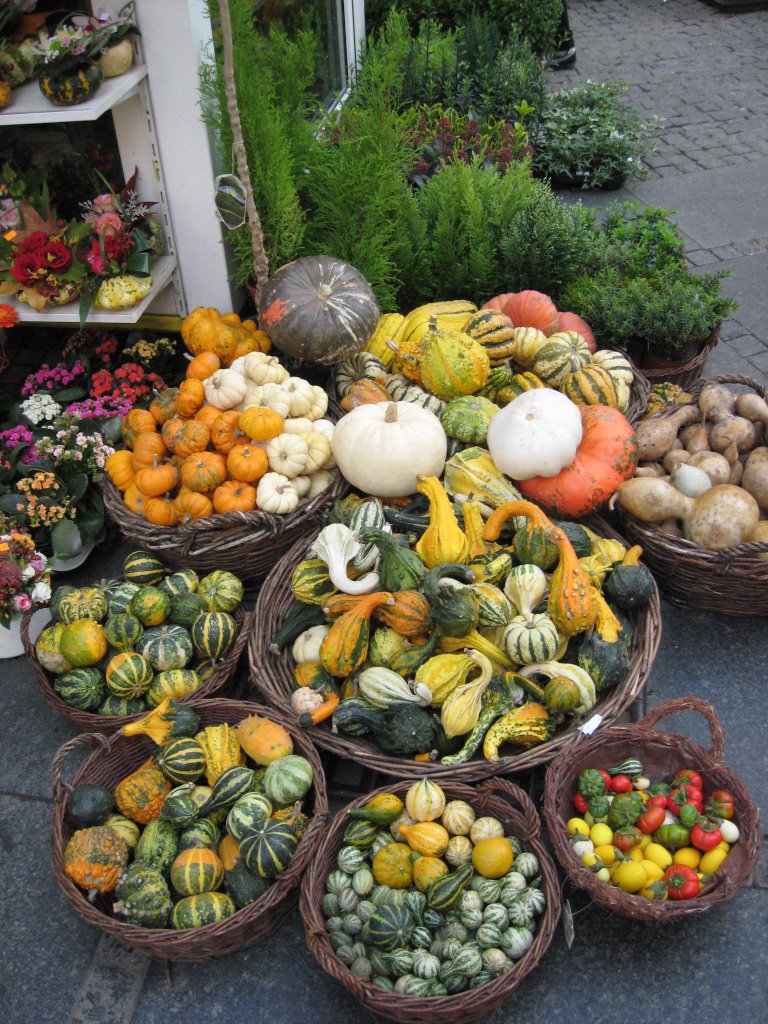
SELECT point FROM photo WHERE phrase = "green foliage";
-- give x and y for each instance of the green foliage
(547, 244)
(639, 240)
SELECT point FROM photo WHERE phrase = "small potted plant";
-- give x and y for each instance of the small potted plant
(24, 582)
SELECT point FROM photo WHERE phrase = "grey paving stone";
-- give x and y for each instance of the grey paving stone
(747, 285)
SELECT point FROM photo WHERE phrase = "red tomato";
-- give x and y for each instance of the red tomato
(606, 778)
(580, 803)
(621, 784)
(651, 819)
(705, 836)
(686, 777)
(682, 882)
(657, 801)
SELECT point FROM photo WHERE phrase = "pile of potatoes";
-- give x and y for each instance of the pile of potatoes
(703, 471)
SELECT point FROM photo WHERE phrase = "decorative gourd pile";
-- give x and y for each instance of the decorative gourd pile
(239, 434)
(125, 645)
(200, 830)
(430, 900)
(703, 471)
(438, 641)
(463, 364)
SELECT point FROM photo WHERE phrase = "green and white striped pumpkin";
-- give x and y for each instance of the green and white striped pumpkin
(201, 833)
(249, 813)
(185, 608)
(591, 385)
(390, 927)
(119, 595)
(83, 603)
(205, 908)
(183, 582)
(401, 389)
(494, 609)
(81, 688)
(128, 675)
(166, 647)
(143, 569)
(176, 683)
(222, 590)
(231, 785)
(360, 366)
(196, 870)
(288, 779)
(269, 849)
(123, 631)
(563, 354)
(616, 363)
(119, 706)
(529, 639)
(213, 634)
(182, 759)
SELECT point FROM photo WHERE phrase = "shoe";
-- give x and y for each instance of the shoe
(562, 59)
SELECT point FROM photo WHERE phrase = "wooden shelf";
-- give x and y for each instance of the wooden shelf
(162, 271)
(29, 106)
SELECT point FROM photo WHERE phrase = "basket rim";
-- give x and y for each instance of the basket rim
(694, 365)
(281, 889)
(89, 721)
(493, 795)
(273, 680)
(561, 775)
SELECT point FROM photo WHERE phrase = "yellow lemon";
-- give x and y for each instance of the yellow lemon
(492, 857)
(652, 870)
(606, 853)
(577, 827)
(645, 841)
(636, 854)
(601, 835)
(712, 860)
(688, 856)
(630, 876)
(723, 846)
(658, 854)
(588, 859)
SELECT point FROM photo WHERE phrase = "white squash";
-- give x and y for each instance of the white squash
(275, 493)
(306, 646)
(297, 425)
(264, 369)
(288, 454)
(323, 426)
(251, 396)
(319, 481)
(318, 450)
(319, 405)
(300, 396)
(537, 434)
(382, 448)
(225, 389)
(274, 396)
(302, 485)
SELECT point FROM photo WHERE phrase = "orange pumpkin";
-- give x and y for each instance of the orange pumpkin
(225, 432)
(363, 392)
(193, 437)
(157, 479)
(163, 405)
(191, 505)
(120, 470)
(138, 421)
(498, 302)
(205, 330)
(234, 496)
(190, 398)
(146, 448)
(161, 512)
(208, 415)
(203, 366)
(532, 309)
(251, 339)
(261, 423)
(203, 472)
(134, 500)
(247, 463)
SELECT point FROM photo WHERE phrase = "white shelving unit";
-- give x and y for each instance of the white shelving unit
(29, 106)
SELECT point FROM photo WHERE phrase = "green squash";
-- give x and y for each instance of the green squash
(72, 87)
(202, 833)
(629, 586)
(158, 845)
(468, 418)
(288, 779)
(248, 814)
(182, 760)
(214, 634)
(81, 688)
(204, 908)
(455, 611)
(123, 631)
(128, 675)
(119, 595)
(151, 606)
(185, 607)
(176, 683)
(185, 581)
(529, 639)
(243, 885)
(268, 850)
(390, 927)
(196, 870)
(179, 809)
(577, 535)
(494, 608)
(83, 603)
(143, 897)
(607, 662)
(231, 785)
(48, 649)
(388, 649)
(399, 567)
(222, 590)
(58, 596)
(143, 569)
(310, 582)
(166, 647)
(117, 706)
(89, 804)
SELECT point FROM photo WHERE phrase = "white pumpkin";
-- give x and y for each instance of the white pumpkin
(323, 427)
(302, 485)
(319, 481)
(225, 389)
(238, 365)
(319, 448)
(275, 493)
(273, 396)
(537, 434)
(264, 369)
(297, 425)
(319, 405)
(251, 395)
(382, 448)
(288, 454)
(300, 396)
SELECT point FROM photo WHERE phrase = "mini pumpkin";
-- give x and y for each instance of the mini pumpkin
(161, 512)
(247, 463)
(203, 472)
(138, 421)
(225, 432)
(145, 448)
(192, 437)
(163, 405)
(261, 423)
(134, 500)
(190, 398)
(234, 496)
(120, 469)
(192, 505)
(157, 479)
(288, 454)
(276, 494)
(225, 389)
(203, 366)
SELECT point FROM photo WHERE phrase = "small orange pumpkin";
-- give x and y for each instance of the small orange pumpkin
(363, 392)
(120, 470)
(208, 415)
(192, 438)
(190, 398)
(138, 421)
(134, 500)
(225, 432)
(203, 472)
(170, 431)
(203, 366)
(163, 405)
(261, 423)
(192, 505)
(157, 479)
(161, 512)
(247, 463)
(146, 448)
(234, 496)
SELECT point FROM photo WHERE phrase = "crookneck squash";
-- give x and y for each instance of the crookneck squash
(345, 646)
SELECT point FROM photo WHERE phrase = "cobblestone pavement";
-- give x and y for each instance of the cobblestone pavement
(704, 71)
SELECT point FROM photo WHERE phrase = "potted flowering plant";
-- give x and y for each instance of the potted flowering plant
(24, 582)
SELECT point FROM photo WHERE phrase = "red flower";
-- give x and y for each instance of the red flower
(34, 242)
(8, 316)
(27, 268)
(57, 256)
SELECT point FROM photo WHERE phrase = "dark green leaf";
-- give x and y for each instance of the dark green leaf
(66, 539)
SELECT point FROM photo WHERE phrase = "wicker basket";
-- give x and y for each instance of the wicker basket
(88, 721)
(495, 797)
(661, 754)
(730, 582)
(272, 675)
(115, 757)
(246, 543)
(684, 374)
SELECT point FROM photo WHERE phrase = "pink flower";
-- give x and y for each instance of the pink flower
(22, 602)
(108, 224)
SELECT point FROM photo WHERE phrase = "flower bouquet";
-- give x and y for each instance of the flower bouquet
(24, 582)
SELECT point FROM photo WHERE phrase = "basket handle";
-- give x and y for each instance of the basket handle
(515, 796)
(730, 378)
(84, 739)
(705, 709)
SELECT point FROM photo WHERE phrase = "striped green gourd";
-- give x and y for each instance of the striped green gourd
(119, 595)
(401, 389)
(179, 809)
(118, 706)
(288, 779)
(81, 688)
(532, 546)
(128, 675)
(205, 908)
(310, 582)
(230, 786)
(390, 927)
(248, 814)
(166, 647)
(494, 609)
(616, 363)
(183, 582)
(529, 639)
(196, 870)
(143, 897)
(83, 603)
(368, 515)
(213, 634)
(185, 608)
(176, 683)
(631, 767)
(205, 669)
(243, 885)
(151, 606)
(48, 649)
(360, 833)
(56, 598)
(123, 631)
(222, 590)
(591, 385)
(563, 354)
(143, 569)
(158, 845)
(269, 849)
(182, 760)
(468, 418)
(446, 890)
(202, 832)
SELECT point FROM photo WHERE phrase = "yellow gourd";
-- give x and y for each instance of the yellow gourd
(392, 866)
(424, 801)
(526, 726)
(462, 707)
(480, 644)
(443, 540)
(427, 870)
(426, 837)
(472, 515)
(442, 673)
(221, 748)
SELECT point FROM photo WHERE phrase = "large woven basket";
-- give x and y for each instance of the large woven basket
(662, 754)
(730, 582)
(272, 675)
(684, 374)
(246, 543)
(88, 721)
(115, 757)
(495, 797)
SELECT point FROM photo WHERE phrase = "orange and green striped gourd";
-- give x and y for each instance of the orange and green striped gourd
(345, 646)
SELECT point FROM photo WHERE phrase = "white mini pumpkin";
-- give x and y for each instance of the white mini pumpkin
(225, 389)
(273, 396)
(382, 448)
(319, 403)
(318, 450)
(287, 454)
(300, 396)
(537, 434)
(264, 369)
(275, 493)
(319, 481)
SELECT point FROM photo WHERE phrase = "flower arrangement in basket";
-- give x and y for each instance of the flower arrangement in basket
(24, 579)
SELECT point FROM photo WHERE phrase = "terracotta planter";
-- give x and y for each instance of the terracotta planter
(117, 59)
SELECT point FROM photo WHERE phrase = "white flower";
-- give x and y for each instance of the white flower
(40, 407)
(28, 572)
(41, 592)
